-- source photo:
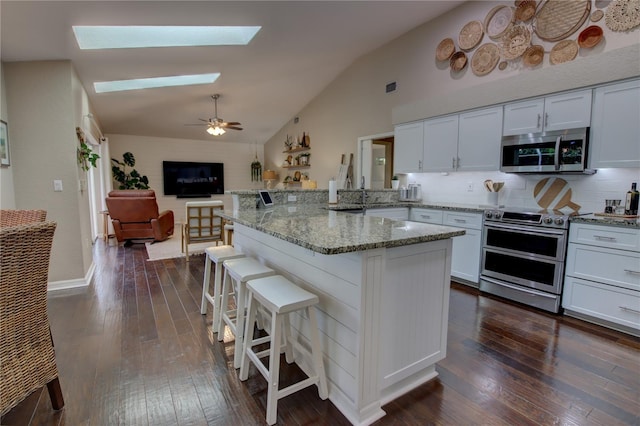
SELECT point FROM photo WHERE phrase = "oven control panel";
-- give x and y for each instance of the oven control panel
(545, 218)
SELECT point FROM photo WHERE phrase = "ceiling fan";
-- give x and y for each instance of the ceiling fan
(217, 126)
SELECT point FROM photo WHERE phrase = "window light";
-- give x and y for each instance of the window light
(148, 83)
(123, 37)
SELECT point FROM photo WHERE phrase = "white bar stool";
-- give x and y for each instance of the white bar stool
(239, 271)
(217, 255)
(280, 297)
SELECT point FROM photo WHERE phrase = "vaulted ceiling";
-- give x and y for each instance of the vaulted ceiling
(301, 48)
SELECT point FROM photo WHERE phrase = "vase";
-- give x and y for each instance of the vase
(395, 184)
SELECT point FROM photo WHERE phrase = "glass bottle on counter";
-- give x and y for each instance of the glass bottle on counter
(631, 201)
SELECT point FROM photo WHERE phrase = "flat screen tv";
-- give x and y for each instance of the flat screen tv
(190, 179)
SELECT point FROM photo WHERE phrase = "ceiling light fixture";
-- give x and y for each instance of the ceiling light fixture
(154, 82)
(215, 130)
(125, 37)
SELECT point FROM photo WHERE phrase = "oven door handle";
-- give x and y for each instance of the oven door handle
(534, 229)
(557, 156)
(513, 287)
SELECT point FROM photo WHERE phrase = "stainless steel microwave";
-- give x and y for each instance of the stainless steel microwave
(547, 152)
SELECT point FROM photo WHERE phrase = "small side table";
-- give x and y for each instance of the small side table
(105, 226)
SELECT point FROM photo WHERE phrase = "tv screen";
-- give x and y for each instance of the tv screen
(190, 179)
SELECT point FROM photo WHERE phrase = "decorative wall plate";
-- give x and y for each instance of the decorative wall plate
(502, 65)
(525, 10)
(445, 49)
(590, 36)
(458, 61)
(515, 42)
(596, 16)
(470, 35)
(563, 51)
(558, 19)
(498, 21)
(485, 59)
(623, 15)
(533, 55)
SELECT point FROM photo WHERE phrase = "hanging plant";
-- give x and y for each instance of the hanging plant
(256, 168)
(86, 157)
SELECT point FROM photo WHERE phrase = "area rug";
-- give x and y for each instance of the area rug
(171, 248)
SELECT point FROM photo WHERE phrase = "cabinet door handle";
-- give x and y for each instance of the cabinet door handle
(453, 162)
(538, 125)
(602, 237)
(458, 163)
(425, 216)
(460, 220)
(546, 119)
(631, 271)
(419, 164)
(624, 308)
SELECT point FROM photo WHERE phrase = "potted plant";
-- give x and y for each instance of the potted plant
(86, 157)
(131, 180)
(395, 182)
(304, 158)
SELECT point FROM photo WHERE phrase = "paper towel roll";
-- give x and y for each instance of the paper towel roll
(333, 192)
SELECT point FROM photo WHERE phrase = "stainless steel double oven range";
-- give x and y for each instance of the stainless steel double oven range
(523, 256)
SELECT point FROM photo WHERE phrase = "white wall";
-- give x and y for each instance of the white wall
(7, 197)
(149, 153)
(355, 104)
(46, 102)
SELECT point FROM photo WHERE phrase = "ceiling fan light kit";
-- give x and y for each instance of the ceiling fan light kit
(217, 126)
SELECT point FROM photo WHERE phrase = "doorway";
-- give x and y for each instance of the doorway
(375, 160)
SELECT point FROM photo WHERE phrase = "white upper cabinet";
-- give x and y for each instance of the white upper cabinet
(440, 144)
(615, 134)
(408, 142)
(560, 112)
(479, 135)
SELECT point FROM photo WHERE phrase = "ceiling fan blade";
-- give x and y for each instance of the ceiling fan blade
(206, 121)
(231, 123)
(198, 124)
(233, 128)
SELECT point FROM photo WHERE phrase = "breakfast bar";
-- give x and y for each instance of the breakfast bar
(383, 287)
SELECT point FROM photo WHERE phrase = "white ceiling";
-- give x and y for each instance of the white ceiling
(302, 47)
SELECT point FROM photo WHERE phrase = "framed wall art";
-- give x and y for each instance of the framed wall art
(4, 144)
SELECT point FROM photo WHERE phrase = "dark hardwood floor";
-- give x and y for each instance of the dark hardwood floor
(133, 349)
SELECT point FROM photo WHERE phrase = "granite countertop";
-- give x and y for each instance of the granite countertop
(607, 221)
(332, 232)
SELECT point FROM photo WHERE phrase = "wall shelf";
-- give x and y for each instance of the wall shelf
(299, 149)
(305, 166)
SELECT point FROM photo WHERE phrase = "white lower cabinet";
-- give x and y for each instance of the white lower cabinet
(466, 252)
(602, 277)
(401, 213)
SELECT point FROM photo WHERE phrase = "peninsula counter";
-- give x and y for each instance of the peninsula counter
(383, 287)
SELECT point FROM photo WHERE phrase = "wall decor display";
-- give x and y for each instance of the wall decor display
(502, 65)
(470, 35)
(516, 42)
(4, 143)
(623, 15)
(563, 51)
(590, 37)
(485, 59)
(498, 21)
(445, 49)
(558, 19)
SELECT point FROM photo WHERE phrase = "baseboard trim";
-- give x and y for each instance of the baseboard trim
(75, 283)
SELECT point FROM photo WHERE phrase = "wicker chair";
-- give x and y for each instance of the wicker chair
(27, 358)
(21, 217)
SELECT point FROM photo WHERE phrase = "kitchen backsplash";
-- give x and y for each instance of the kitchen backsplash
(588, 191)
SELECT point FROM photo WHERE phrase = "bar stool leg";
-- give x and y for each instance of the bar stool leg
(274, 368)
(240, 317)
(224, 304)
(217, 292)
(251, 319)
(288, 348)
(205, 288)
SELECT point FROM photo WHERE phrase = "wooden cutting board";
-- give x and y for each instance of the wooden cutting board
(554, 193)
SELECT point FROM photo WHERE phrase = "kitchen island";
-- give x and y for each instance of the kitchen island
(383, 287)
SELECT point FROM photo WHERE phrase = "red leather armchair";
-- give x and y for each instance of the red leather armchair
(134, 214)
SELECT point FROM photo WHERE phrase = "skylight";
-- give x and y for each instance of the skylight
(123, 37)
(148, 83)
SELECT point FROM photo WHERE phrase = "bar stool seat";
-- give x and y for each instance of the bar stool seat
(237, 273)
(280, 297)
(217, 255)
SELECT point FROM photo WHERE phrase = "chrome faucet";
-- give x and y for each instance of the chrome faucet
(364, 193)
